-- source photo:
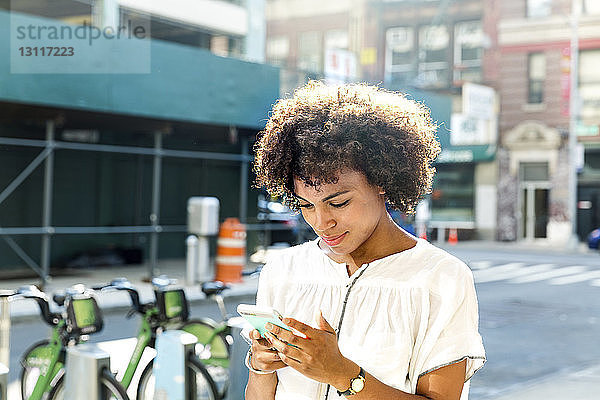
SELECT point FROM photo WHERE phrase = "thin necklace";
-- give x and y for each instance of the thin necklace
(337, 331)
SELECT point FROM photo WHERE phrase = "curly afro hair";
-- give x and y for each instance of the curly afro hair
(324, 129)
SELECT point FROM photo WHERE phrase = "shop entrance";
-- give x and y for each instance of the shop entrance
(534, 211)
(534, 200)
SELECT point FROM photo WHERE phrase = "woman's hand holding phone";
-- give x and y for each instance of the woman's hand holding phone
(317, 356)
(264, 356)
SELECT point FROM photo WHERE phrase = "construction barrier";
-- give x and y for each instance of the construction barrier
(453, 236)
(231, 251)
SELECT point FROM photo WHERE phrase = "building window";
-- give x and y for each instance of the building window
(399, 55)
(539, 8)
(468, 51)
(536, 77)
(453, 196)
(434, 43)
(278, 49)
(589, 86)
(310, 52)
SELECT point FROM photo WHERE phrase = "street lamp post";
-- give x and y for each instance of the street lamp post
(573, 117)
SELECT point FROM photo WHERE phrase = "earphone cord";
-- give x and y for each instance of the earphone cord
(342, 316)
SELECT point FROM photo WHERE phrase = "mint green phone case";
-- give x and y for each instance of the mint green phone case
(259, 323)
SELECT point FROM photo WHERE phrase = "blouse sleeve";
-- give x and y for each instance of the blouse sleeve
(264, 294)
(448, 325)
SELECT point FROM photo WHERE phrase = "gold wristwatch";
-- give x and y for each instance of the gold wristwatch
(356, 384)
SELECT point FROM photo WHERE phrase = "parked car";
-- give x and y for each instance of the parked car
(593, 239)
(282, 222)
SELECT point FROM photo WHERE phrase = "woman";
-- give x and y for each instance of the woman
(385, 315)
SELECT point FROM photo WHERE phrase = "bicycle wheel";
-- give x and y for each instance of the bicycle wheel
(34, 362)
(202, 385)
(214, 353)
(110, 388)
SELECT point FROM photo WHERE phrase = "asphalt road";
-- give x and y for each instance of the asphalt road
(539, 317)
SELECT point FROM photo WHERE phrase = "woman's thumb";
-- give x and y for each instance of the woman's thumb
(323, 324)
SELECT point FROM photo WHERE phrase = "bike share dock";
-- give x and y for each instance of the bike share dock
(119, 302)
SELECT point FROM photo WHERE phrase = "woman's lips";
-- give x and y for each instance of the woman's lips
(334, 240)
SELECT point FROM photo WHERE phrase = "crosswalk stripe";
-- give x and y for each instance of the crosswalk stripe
(575, 278)
(486, 273)
(573, 269)
(595, 282)
(480, 264)
(513, 273)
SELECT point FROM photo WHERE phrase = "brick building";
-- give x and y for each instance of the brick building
(532, 54)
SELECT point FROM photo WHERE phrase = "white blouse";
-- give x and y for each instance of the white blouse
(408, 313)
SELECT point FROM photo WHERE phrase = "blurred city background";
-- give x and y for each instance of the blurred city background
(96, 169)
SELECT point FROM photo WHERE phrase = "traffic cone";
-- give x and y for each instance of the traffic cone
(231, 251)
(423, 231)
(452, 236)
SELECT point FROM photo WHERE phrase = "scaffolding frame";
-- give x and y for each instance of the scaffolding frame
(46, 230)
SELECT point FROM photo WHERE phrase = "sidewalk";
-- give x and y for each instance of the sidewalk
(138, 275)
(520, 246)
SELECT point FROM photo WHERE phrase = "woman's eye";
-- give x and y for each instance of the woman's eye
(338, 205)
(304, 205)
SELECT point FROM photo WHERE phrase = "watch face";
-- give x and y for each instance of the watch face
(358, 385)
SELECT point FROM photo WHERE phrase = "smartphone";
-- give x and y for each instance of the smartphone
(259, 316)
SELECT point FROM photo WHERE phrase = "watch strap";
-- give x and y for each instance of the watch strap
(350, 391)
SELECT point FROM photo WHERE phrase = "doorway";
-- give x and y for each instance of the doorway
(534, 210)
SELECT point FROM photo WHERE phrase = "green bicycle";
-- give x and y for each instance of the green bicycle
(169, 310)
(214, 338)
(42, 375)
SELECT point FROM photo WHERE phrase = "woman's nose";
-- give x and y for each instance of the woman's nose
(323, 221)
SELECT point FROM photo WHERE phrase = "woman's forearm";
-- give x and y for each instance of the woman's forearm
(261, 387)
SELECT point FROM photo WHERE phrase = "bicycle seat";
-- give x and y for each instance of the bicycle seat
(59, 298)
(216, 287)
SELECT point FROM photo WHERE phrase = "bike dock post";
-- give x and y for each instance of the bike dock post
(171, 375)
(3, 381)
(238, 373)
(82, 371)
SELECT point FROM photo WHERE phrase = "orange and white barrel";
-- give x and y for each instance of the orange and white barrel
(231, 251)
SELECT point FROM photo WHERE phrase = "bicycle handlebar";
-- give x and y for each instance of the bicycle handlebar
(124, 284)
(32, 292)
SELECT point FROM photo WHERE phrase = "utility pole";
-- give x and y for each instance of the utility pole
(573, 118)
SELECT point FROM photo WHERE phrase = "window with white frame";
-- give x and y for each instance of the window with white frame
(536, 77)
(434, 43)
(468, 51)
(278, 50)
(310, 52)
(399, 55)
(539, 8)
(589, 86)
